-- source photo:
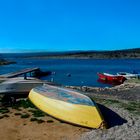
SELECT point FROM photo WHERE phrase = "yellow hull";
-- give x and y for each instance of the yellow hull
(83, 115)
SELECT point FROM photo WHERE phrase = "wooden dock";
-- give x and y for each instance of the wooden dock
(21, 72)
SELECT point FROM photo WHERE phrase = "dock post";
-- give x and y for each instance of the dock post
(25, 76)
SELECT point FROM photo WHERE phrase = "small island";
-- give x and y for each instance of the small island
(5, 62)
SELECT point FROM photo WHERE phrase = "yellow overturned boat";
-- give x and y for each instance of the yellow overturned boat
(67, 105)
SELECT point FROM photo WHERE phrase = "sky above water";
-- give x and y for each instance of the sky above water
(64, 25)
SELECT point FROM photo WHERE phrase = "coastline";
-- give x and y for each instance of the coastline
(120, 109)
(69, 57)
(126, 91)
(114, 54)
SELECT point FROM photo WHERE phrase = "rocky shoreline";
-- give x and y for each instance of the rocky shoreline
(126, 91)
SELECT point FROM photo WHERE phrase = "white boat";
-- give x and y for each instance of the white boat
(19, 85)
(128, 75)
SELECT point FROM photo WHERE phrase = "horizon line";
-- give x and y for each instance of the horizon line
(59, 51)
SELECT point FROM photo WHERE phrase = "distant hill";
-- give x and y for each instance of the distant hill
(118, 54)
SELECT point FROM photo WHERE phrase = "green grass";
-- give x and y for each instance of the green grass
(33, 119)
(37, 113)
(25, 115)
(131, 106)
(106, 101)
(37, 120)
(16, 108)
(24, 104)
(4, 110)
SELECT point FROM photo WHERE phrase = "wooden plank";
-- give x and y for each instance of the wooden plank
(14, 74)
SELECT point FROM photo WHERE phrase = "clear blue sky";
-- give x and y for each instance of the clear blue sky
(61, 25)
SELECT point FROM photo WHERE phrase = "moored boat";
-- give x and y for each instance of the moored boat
(67, 105)
(127, 75)
(111, 78)
(19, 85)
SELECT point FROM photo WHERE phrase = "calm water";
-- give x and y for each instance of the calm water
(83, 71)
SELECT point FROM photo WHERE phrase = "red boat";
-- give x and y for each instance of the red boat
(111, 78)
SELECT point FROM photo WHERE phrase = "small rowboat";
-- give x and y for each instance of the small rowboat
(111, 78)
(67, 105)
(19, 85)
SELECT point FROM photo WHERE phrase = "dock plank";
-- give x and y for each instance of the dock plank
(15, 74)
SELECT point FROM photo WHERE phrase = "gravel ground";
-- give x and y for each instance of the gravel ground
(126, 91)
(129, 129)
(123, 125)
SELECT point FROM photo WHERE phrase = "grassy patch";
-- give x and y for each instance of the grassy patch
(24, 104)
(4, 110)
(37, 113)
(106, 101)
(25, 116)
(133, 107)
(33, 119)
(16, 108)
(37, 120)
(112, 101)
